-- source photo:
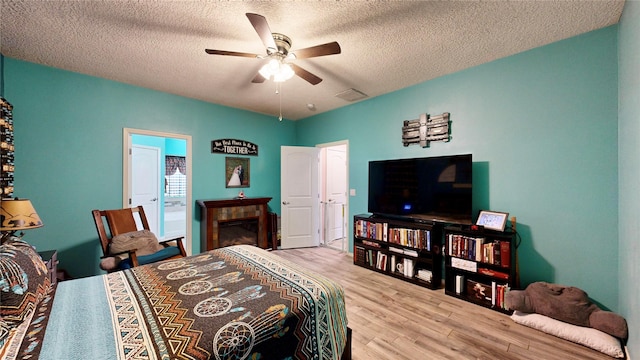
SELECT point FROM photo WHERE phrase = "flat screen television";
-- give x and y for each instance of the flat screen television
(430, 188)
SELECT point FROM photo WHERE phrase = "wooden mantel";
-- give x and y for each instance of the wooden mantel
(220, 210)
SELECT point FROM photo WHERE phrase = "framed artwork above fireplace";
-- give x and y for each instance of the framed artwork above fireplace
(237, 173)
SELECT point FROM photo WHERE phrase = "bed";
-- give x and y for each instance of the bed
(238, 302)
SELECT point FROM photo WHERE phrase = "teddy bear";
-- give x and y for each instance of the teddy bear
(568, 304)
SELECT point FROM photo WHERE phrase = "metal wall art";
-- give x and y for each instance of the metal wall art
(426, 129)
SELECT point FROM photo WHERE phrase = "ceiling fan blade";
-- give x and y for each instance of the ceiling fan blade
(312, 79)
(259, 23)
(319, 50)
(259, 79)
(230, 53)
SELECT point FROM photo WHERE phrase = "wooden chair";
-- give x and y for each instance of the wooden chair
(111, 223)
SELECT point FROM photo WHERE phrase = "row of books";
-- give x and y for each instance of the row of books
(479, 249)
(371, 230)
(394, 263)
(370, 257)
(488, 294)
(416, 238)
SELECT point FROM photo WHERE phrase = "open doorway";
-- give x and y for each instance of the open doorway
(334, 194)
(157, 175)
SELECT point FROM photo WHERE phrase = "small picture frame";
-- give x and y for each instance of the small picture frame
(494, 220)
(237, 172)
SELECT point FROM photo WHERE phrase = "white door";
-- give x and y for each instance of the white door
(336, 191)
(145, 182)
(300, 208)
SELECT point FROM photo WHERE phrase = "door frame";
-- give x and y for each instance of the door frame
(323, 193)
(126, 173)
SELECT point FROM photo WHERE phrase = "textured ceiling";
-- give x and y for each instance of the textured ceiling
(386, 46)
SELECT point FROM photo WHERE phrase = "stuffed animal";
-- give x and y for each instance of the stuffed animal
(568, 304)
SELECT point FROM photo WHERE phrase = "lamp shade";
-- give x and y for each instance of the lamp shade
(18, 214)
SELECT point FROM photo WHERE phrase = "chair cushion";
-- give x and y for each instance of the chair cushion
(163, 254)
(24, 281)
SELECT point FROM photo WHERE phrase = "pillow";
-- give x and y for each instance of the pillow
(24, 281)
(586, 336)
(143, 241)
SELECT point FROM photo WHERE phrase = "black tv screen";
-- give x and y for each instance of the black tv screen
(431, 188)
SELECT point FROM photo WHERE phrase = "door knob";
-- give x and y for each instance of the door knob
(285, 203)
(154, 199)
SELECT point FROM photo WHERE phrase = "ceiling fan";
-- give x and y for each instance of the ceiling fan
(278, 51)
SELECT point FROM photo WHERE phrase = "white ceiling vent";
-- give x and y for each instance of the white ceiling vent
(351, 95)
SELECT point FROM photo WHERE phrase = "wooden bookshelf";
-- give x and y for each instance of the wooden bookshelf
(480, 265)
(404, 249)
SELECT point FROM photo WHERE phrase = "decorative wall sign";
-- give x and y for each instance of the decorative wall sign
(237, 172)
(234, 146)
(426, 129)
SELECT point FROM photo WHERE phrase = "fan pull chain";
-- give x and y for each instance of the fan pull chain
(279, 92)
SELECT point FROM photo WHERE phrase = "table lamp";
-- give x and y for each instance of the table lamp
(16, 215)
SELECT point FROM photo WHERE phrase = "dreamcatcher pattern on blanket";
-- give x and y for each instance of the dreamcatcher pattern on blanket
(236, 339)
(219, 305)
(201, 286)
(179, 263)
(192, 271)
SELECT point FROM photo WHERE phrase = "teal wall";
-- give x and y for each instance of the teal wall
(68, 137)
(629, 169)
(175, 147)
(542, 128)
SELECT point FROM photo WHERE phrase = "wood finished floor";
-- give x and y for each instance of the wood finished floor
(393, 319)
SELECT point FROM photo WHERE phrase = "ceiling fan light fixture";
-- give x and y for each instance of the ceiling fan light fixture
(279, 70)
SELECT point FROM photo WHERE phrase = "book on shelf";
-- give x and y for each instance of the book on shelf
(381, 261)
(502, 290)
(493, 293)
(371, 257)
(408, 267)
(424, 274)
(459, 284)
(463, 264)
(493, 273)
(360, 255)
(396, 250)
(505, 253)
(479, 292)
(370, 243)
(413, 253)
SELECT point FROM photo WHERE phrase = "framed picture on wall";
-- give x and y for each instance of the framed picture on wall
(237, 172)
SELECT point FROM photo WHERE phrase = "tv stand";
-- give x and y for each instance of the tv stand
(399, 247)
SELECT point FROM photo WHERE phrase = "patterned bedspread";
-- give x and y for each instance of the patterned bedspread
(238, 302)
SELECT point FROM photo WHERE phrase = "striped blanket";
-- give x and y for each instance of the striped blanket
(238, 302)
